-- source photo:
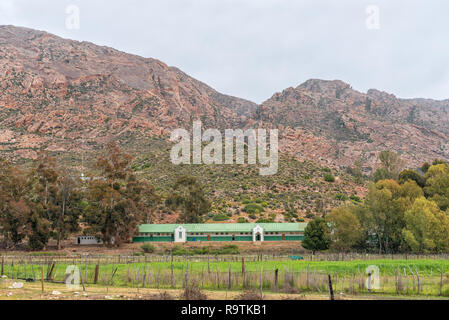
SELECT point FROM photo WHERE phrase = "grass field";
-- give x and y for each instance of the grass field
(397, 278)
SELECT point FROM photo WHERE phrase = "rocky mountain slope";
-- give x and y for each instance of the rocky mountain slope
(330, 122)
(67, 96)
(61, 95)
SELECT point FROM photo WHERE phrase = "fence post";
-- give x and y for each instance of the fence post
(50, 273)
(369, 282)
(276, 271)
(186, 280)
(331, 291)
(96, 274)
(172, 276)
(229, 278)
(82, 280)
(208, 267)
(243, 273)
(418, 279)
(42, 278)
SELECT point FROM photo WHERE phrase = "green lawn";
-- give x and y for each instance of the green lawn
(348, 276)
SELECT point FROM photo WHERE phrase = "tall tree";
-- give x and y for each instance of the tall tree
(437, 185)
(43, 178)
(14, 203)
(345, 228)
(356, 170)
(406, 175)
(316, 235)
(65, 220)
(391, 166)
(427, 227)
(386, 213)
(116, 198)
(188, 195)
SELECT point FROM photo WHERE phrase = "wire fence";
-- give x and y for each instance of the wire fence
(232, 273)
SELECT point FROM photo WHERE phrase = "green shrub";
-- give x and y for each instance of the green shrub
(309, 214)
(341, 197)
(148, 248)
(329, 177)
(200, 251)
(242, 220)
(355, 198)
(220, 217)
(227, 249)
(253, 208)
(179, 251)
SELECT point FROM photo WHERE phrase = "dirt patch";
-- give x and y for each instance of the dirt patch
(267, 248)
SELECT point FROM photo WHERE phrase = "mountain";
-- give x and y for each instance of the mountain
(66, 96)
(331, 123)
(63, 96)
(69, 98)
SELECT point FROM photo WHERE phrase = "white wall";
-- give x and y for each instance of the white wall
(258, 230)
(180, 234)
(87, 240)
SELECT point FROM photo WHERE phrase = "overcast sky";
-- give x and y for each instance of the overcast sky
(254, 48)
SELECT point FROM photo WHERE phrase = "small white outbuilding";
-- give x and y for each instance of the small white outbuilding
(87, 240)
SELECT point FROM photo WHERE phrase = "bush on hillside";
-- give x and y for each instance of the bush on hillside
(253, 208)
(220, 217)
(329, 177)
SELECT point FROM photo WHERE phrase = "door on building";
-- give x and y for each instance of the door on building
(208, 237)
(283, 236)
(258, 237)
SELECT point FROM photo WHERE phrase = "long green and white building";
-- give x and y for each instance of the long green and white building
(251, 232)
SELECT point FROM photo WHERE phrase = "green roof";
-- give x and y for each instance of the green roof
(223, 227)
